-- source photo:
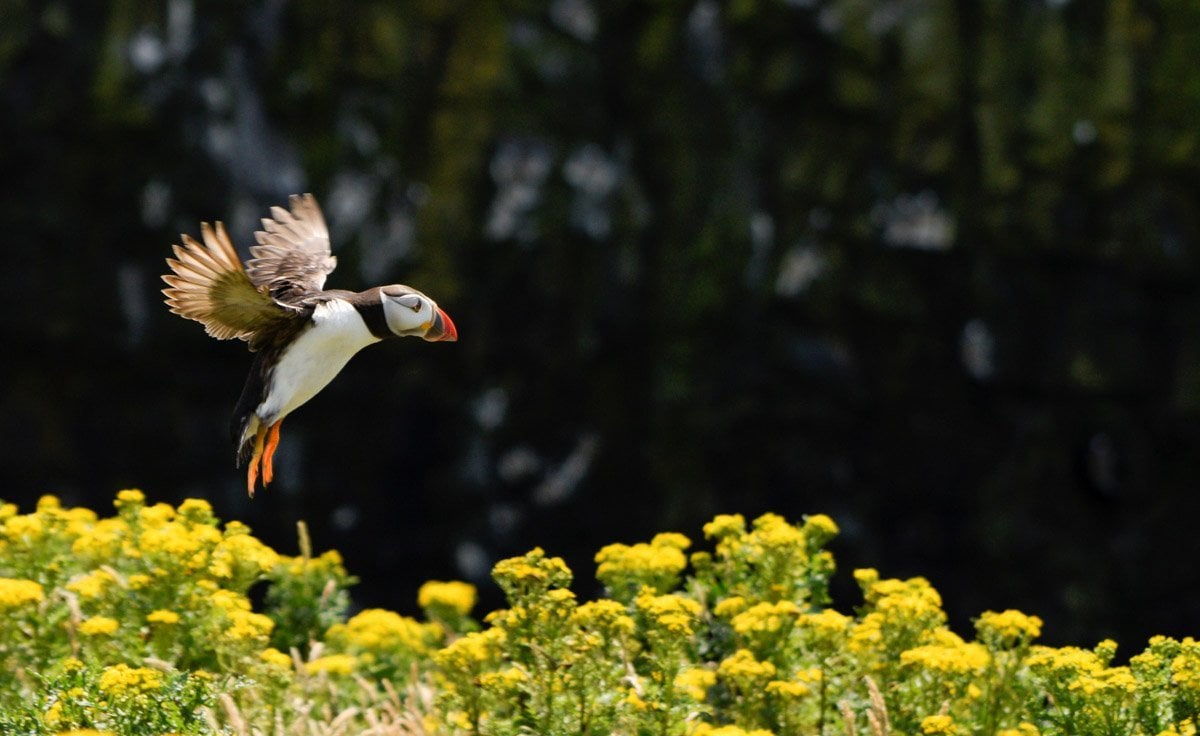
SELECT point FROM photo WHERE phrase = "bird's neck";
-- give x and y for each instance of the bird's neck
(369, 304)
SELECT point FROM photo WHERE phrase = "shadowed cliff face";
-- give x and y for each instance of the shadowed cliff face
(929, 268)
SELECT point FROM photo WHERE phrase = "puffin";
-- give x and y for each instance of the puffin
(301, 334)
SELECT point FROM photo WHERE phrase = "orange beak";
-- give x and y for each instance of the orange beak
(442, 329)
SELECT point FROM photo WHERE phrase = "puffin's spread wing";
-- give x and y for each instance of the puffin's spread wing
(210, 286)
(292, 257)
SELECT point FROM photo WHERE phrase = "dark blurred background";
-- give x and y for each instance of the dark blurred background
(927, 266)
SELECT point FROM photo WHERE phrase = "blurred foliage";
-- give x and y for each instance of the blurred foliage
(930, 265)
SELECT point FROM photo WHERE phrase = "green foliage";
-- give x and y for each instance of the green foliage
(139, 624)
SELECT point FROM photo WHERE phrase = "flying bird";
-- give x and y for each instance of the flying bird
(300, 333)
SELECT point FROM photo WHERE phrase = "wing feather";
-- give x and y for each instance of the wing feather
(292, 257)
(209, 285)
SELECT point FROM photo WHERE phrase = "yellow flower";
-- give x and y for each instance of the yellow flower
(102, 541)
(765, 618)
(1107, 682)
(92, 585)
(675, 614)
(156, 515)
(505, 680)
(772, 530)
(468, 652)
(48, 502)
(730, 607)
(700, 728)
(196, 510)
(1068, 662)
(241, 555)
(175, 543)
(26, 528)
(276, 658)
(695, 681)
(674, 540)
(84, 732)
(123, 681)
(820, 526)
(604, 615)
(137, 581)
(741, 667)
(15, 593)
(1022, 729)
(951, 658)
(938, 726)
(866, 577)
(725, 525)
(245, 625)
(1008, 628)
(453, 595)
(532, 570)
(98, 626)
(827, 623)
(380, 631)
(162, 616)
(334, 664)
(227, 600)
(787, 688)
(1185, 666)
(129, 497)
(626, 568)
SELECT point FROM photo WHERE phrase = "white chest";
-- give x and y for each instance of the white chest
(314, 358)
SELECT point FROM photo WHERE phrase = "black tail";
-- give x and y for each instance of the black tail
(253, 394)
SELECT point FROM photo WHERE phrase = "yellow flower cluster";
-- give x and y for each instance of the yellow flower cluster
(670, 612)
(788, 688)
(1105, 682)
(383, 632)
(951, 655)
(695, 682)
(276, 658)
(468, 653)
(765, 618)
(123, 681)
(1067, 662)
(827, 624)
(626, 568)
(240, 555)
(1022, 729)
(506, 680)
(1185, 667)
(605, 616)
(333, 664)
(533, 571)
(16, 593)
(744, 670)
(93, 584)
(248, 626)
(725, 525)
(940, 725)
(454, 596)
(706, 729)
(162, 616)
(99, 626)
(1008, 628)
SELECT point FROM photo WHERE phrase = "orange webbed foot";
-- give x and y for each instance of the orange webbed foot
(252, 471)
(268, 460)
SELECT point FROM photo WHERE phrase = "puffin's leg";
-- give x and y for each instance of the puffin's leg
(252, 471)
(268, 465)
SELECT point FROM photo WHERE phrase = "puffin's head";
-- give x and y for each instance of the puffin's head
(410, 313)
